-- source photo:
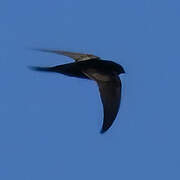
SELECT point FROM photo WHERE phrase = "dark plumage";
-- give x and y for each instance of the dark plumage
(105, 73)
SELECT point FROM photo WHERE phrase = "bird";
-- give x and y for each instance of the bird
(104, 72)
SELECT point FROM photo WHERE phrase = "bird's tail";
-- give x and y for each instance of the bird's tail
(45, 69)
(67, 69)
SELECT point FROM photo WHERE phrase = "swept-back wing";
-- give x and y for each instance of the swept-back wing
(73, 55)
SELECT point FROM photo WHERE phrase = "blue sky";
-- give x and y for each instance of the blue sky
(49, 123)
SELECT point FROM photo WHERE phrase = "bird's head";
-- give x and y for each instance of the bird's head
(120, 69)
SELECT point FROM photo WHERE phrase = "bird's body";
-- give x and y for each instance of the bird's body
(104, 72)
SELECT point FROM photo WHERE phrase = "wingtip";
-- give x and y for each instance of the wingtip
(40, 49)
(56, 51)
(105, 128)
(103, 131)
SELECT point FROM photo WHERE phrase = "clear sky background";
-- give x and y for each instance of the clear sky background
(49, 123)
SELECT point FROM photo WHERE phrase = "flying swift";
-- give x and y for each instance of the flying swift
(105, 73)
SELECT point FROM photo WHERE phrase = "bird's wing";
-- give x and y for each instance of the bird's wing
(110, 92)
(73, 55)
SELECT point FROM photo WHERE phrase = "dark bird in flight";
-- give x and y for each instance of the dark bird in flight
(104, 73)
